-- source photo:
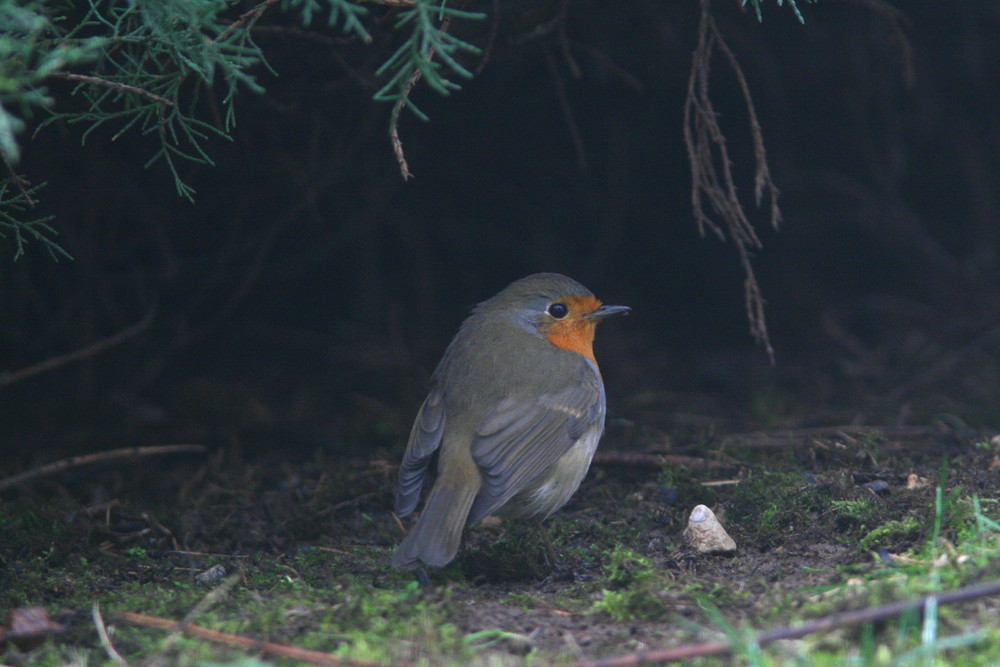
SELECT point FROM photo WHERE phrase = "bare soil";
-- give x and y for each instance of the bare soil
(803, 505)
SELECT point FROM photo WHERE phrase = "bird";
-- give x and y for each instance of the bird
(515, 411)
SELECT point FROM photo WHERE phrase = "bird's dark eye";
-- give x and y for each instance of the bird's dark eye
(558, 310)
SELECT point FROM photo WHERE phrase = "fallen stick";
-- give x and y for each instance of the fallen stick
(781, 437)
(847, 618)
(249, 643)
(96, 457)
(653, 461)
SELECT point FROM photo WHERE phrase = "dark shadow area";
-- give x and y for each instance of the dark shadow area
(306, 295)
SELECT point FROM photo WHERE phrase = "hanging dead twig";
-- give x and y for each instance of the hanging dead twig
(248, 17)
(567, 110)
(711, 168)
(397, 108)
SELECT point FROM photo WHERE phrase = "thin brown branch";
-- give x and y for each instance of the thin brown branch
(397, 108)
(105, 83)
(782, 437)
(201, 554)
(845, 619)
(248, 643)
(87, 459)
(53, 363)
(712, 181)
(651, 461)
(247, 17)
(22, 183)
(567, 109)
(397, 143)
(762, 173)
(491, 39)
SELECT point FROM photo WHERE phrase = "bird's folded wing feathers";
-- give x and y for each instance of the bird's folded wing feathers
(425, 438)
(518, 440)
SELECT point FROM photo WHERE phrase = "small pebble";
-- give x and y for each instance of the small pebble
(210, 575)
(705, 533)
(878, 486)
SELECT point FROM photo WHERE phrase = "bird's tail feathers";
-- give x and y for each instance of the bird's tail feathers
(435, 538)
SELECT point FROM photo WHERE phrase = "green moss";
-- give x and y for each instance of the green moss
(633, 585)
(768, 504)
(855, 516)
(891, 533)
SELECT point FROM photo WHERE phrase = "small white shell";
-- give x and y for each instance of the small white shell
(705, 533)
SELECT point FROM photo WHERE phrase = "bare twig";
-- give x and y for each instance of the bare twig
(567, 109)
(781, 437)
(248, 643)
(653, 461)
(102, 632)
(762, 182)
(94, 348)
(845, 619)
(351, 502)
(86, 459)
(397, 143)
(491, 40)
(202, 554)
(22, 183)
(246, 17)
(711, 167)
(105, 83)
(397, 108)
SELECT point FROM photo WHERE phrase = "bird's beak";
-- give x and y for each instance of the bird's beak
(608, 311)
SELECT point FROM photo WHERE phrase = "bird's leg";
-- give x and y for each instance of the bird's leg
(547, 541)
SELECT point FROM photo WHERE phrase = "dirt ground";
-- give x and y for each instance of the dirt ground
(821, 517)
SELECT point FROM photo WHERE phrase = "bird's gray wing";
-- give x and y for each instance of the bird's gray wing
(519, 439)
(425, 438)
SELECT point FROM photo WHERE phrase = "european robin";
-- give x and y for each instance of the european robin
(515, 412)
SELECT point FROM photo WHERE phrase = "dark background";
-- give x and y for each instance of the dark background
(304, 298)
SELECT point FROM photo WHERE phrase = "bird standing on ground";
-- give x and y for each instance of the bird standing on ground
(515, 412)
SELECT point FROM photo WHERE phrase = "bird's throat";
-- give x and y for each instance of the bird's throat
(575, 335)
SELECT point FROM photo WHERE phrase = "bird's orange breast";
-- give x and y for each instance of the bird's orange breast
(574, 332)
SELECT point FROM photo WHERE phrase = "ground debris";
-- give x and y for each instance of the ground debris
(705, 533)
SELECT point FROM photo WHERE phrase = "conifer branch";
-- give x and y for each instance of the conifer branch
(124, 87)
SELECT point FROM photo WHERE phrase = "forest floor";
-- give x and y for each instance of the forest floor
(275, 553)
